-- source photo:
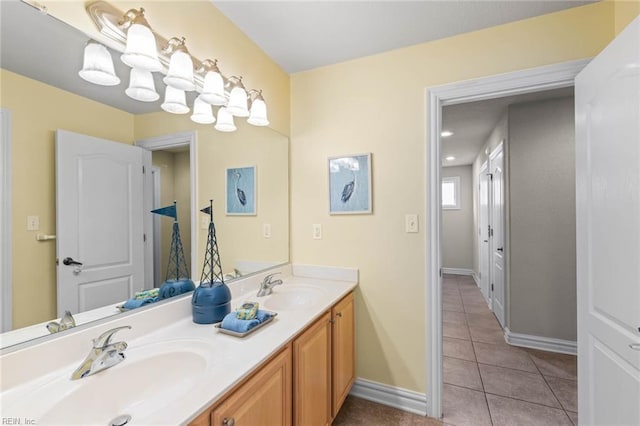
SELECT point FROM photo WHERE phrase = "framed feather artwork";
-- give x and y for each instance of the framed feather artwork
(241, 191)
(350, 184)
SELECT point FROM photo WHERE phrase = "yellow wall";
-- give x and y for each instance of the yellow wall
(209, 35)
(377, 104)
(37, 110)
(625, 12)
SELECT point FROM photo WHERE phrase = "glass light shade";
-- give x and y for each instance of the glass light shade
(225, 121)
(141, 50)
(238, 102)
(213, 89)
(202, 113)
(97, 67)
(141, 86)
(258, 115)
(180, 73)
(175, 101)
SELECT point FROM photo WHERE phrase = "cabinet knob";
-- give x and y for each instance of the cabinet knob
(228, 422)
(339, 314)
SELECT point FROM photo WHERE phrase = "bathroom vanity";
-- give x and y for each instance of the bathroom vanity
(304, 384)
(296, 370)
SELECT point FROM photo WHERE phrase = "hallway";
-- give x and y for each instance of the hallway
(487, 381)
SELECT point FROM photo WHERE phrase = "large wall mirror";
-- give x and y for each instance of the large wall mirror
(42, 92)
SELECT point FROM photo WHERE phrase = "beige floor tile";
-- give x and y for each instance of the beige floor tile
(573, 416)
(452, 307)
(358, 411)
(486, 335)
(475, 308)
(566, 391)
(457, 348)
(425, 421)
(511, 412)
(503, 355)
(555, 364)
(517, 384)
(456, 331)
(453, 316)
(487, 320)
(464, 407)
(452, 298)
(461, 373)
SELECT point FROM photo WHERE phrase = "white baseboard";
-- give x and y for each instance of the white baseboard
(542, 343)
(475, 278)
(402, 399)
(457, 271)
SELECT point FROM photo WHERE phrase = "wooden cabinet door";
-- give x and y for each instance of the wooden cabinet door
(312, 374)
(343, 352)
(264, 399)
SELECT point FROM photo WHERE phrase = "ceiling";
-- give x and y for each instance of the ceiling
(473, 122)
(301, 35)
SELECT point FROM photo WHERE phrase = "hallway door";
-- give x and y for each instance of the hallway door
(99, 220)
(483, 231)
(608, 233)
(496, 165)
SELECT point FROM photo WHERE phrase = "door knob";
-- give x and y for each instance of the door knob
(69, 261)
(500, 249)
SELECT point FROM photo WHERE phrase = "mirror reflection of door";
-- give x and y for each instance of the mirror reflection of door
(171, 180)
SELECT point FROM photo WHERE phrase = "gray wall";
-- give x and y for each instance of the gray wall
(457, 225)
(542, 287)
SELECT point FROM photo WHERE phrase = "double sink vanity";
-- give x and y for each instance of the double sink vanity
(296, 370)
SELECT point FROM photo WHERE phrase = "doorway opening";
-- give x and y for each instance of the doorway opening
(517, 83)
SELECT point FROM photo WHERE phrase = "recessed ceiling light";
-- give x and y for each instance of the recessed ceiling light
(450, 158)
(446, 133)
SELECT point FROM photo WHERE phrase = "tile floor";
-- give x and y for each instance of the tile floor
(486, 381)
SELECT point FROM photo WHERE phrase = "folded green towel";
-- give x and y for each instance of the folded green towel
(146, 294)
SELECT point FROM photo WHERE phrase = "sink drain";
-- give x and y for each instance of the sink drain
(120, 420)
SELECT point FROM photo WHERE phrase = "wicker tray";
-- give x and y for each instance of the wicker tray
(272, 315)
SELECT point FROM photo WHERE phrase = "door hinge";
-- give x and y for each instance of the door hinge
(490, 231)
(144, 238)
(440, 272)
(144, 170)
(490, 176)
(491, 286)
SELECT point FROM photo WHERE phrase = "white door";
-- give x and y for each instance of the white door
(483, 230)
(496, 165)
(607, 97)
(99, 217)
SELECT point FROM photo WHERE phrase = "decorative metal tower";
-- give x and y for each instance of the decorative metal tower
(211, 301)
(177, 280)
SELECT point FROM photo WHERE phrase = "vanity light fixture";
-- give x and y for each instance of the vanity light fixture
(202, 113)
(141, 86)
(180, 73)
(225, 121)
(446, 133)
(258, 109)
(175, 101)
(141, 50)
(238, 100)
(97, 65)
(145, 51)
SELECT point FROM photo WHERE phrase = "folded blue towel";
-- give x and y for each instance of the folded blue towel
(232, 323)
(136, 303)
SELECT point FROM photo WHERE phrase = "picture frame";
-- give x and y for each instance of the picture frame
(350, 184)
(240, 184)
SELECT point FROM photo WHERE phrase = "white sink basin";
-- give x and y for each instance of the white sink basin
(293, 297)
(152, 377)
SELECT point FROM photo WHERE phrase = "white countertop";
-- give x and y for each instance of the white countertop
(231, 358)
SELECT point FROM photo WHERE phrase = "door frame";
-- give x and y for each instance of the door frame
(6, 290)
(173, 140)
(514, 83)
(485, 279)
(499, 149)
(157, 229)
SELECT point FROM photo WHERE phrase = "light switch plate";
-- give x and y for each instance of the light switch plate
(266, 230)
(317, 231)
(204, 222)
(33, 223)
(411, 223)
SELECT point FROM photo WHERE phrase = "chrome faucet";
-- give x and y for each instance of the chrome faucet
(266, 288)
(103, 355)
(66, 322)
